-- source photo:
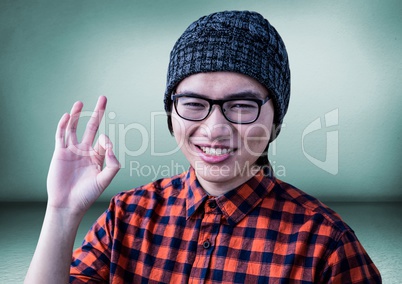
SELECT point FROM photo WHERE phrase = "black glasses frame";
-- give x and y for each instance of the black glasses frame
(220, 103)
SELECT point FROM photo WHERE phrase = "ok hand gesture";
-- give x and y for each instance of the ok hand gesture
(77, 176)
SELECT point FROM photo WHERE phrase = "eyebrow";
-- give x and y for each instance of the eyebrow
(239, 95)
(245, 94)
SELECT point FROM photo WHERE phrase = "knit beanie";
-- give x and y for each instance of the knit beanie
(237, 41)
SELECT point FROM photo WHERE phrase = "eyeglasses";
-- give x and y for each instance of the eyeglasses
(239, 111)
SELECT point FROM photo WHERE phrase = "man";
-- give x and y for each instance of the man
(227, 219)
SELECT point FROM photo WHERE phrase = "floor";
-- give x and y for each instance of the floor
(377, 225)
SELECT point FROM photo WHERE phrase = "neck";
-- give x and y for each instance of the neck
(218, 188)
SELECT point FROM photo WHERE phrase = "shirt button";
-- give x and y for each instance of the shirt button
(212, 204)
(206, 244)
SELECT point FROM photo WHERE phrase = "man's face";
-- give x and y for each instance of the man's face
(221, 152)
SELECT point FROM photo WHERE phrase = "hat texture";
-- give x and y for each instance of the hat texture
(236, 41)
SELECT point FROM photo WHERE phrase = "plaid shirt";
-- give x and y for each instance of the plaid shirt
(265, 231)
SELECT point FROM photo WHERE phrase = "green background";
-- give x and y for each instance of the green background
(344, 56)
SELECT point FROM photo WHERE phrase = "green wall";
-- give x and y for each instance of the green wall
(346, 62)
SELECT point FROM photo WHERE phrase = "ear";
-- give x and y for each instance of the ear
(276, 128)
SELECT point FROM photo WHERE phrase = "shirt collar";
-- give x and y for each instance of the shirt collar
(196, 195)
(235, 204)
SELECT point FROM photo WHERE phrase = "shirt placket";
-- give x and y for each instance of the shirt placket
(206, 242)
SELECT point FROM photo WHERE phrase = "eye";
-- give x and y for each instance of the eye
(193, 103)
(241, 105)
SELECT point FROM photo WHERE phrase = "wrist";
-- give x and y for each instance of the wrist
(64, 216)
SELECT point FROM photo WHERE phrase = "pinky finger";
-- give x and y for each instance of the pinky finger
(61, 131)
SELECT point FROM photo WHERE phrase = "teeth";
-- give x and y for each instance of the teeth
(215, 151)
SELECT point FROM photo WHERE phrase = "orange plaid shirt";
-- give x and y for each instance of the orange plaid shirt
(265, 231)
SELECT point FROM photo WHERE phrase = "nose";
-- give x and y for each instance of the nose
(216, 126)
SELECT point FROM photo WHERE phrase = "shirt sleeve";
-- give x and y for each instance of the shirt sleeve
(91, 261)
(350, 263)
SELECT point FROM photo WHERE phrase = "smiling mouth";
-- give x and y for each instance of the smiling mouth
(215, 151)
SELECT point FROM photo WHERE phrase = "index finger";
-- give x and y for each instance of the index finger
(94, 121)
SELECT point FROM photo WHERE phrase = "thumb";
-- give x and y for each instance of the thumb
(112, 166)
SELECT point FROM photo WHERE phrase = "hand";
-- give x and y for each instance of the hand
(76, 175)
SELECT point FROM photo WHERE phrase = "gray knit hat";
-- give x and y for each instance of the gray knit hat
(237, 41)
